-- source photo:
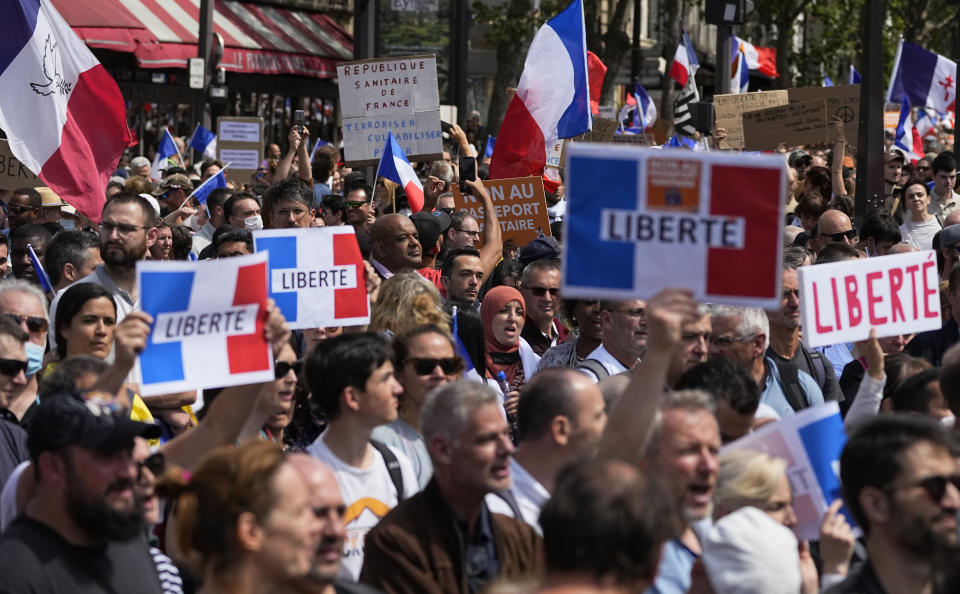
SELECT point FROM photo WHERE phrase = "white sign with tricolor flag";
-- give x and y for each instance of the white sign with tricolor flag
(672, 218)
(62, 112)
(317, 276)
(810, 442)
(395, 167)
(552, 99)
(208, 324)
(897, 294)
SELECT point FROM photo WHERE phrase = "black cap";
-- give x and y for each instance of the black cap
(96, 424)
(430, 226)
(541, 248)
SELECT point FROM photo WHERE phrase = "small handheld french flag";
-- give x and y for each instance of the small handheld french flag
(204, 141)
(217, 181)
(166, 150)
(395, 167)
(38, 268)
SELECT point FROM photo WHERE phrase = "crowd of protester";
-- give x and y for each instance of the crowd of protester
(482, 433)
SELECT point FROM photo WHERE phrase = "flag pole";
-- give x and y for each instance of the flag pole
(224, 168)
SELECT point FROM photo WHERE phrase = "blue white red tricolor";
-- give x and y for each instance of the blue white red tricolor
(204, 141)
(925, 78)
(907, 136)
(167, 149)
(395, 167)
(552, 99)
(62, 112)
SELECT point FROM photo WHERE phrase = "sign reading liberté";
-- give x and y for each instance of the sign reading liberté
(396, 95)
(710, 222)
(520, 204)
(896, 294)
(317, 276)
(208, 327)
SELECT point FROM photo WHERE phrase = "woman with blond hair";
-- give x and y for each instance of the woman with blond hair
(405, 301)
(244, 520)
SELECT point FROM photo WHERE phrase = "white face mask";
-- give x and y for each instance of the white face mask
(254, 223)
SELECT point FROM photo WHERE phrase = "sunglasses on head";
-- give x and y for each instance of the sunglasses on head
(282, 368)
(12, 367)
(34, 323)
(425, 366)
(936, 485)
(851, 234)
(541, 291)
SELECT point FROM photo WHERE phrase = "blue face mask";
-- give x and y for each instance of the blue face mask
(34, 358)
(68, 224)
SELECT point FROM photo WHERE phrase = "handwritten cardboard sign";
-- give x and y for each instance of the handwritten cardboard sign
(842, 301)
(240, 143)
(793, 124)
(729, 110)
(13, 173)
(842, 100)
(520, 204)
(396, 95)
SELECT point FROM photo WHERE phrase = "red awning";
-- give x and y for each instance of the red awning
(259, 39)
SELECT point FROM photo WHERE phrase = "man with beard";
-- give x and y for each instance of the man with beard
(329, 508)
(82, 531)
(900, 483)
(35, 236)
(462, 275)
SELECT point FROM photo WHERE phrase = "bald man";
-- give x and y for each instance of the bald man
(395, 245)
(329, 508)
(834, 226)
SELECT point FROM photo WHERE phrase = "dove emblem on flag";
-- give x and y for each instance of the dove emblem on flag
(51, 71)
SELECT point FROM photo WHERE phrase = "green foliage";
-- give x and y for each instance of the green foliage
(514, 20)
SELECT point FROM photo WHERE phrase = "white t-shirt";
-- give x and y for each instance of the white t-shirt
(368, 494)
(401, 436)
(531, 496)
(609, 362)
(920, 235)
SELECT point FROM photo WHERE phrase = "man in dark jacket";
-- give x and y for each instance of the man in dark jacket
(445, 539)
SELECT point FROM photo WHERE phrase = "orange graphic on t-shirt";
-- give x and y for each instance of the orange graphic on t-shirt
(376, 507)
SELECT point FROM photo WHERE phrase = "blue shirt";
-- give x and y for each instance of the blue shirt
(838, 355)
(774, 396)
(673, 574)
(319, 191)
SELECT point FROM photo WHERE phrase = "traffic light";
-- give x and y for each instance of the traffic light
(728, 12)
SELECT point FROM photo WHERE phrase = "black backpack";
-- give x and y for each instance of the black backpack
(393, 466)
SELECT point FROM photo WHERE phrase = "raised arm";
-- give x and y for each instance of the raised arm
(283, 167)
(492, 249)
(836, 167)
(630, 423)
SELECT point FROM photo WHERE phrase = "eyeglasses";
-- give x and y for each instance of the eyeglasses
(282, 368)
(155, 463)
(34, 323)
(541, 291)
(448, 210)
(20, 209)
(106, 228)
(851, 234)
(935, 486)
(12, 367)
(356, 203)
(470, 233)
(632, 313)
(425, 366)
(922, 168)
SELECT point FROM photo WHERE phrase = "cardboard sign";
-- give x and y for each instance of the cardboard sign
(842, 100)
(842, 301)
(520, 204)
(603, 131)
(240, 143)
(396, 95)
(729, 110)
(208, 324)
(13, 173)
(810, 442)
(670, 218)
(793, 124)
(317, 277)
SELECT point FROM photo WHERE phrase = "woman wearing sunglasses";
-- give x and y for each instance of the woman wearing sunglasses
(919, 230)
(423, 359)
(276, 400)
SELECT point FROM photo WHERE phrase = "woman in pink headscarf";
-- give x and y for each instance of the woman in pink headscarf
(503, 312)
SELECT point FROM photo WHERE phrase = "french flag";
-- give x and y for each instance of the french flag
(923, 77)
(204, 190)
(647, 113)
(204, 142)
(685, 63)
(908, 138)
(925, 124)
(395, 167)
(62, 112)
(759, 58)
(552, 99)
(167, 149)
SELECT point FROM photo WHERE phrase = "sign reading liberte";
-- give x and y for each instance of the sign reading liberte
(672, 218)
(396, 95)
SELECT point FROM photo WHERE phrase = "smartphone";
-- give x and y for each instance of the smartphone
(445, 127)
(468, 172)
(298, 120)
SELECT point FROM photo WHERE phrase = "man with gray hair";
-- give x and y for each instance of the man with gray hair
(445, 539)
(26, 305)
(140, 166)
(623, 341)
(742, 335)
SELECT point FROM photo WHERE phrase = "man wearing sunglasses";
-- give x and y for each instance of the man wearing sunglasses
(540, 286)
(900, 483)
(13, 364)
(834, 226)
(26, 305)
(85, 511)
(357, 201)
(23, 208)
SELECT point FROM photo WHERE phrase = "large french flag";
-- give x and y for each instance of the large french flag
(923, 77)
(552, 99)
(685, 63)
(62, 112)
(395, 167)
(908, 138)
